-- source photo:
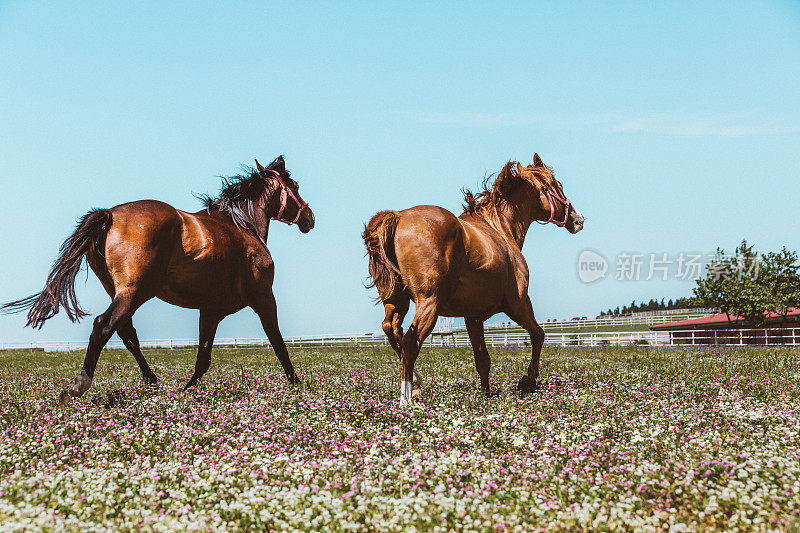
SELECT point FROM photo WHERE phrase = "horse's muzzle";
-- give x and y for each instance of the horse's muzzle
(306, 222)
(575, 222)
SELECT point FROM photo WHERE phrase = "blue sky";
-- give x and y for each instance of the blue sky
(674, 127)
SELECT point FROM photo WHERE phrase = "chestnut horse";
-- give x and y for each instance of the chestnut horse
(469, 266)
(215, 260)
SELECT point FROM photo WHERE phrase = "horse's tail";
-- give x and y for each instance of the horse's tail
(88, 237)
(379, 238)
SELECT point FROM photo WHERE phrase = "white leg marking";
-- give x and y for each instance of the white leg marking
(405, 393)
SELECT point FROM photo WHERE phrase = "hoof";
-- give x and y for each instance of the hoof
(488, 395)
(65, 398)
(417, 381)
(99, 400)
(416, 395)
(527, 385)
(115, 398)
(80, 384)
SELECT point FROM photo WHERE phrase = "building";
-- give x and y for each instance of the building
(718, 329)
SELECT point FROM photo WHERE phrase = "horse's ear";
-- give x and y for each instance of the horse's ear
(258, 166)
(508, 177)
(537, 161)
(278, 165)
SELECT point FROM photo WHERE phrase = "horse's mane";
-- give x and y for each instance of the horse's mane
(490, 197)
(483, 199)
(240, 194)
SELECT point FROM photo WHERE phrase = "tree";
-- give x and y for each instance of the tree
(715, 290)
(652, 305)
(781, 275)
(750, 285)
(752, 298)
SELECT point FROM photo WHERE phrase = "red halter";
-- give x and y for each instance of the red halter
(550, 195)
(285, 193)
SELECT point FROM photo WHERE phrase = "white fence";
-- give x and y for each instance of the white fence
(514, 339)
(366, 339)
(736, 337)
(510, 331)
(642, 319)
(494, 338)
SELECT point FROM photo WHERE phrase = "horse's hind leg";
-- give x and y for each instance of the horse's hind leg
(482, 360)
(392, 325)
(523, 315)
(208, 330)
(396, 309)
(122, 308)
(125, 328)
(418, 331)
(267, 311)
(127, 333)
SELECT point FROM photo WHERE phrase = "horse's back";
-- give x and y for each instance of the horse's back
(134, 217)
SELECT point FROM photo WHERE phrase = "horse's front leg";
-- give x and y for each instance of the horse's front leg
(522, 314)
(208, 330)
(482, 360)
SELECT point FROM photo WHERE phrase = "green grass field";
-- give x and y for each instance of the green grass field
(618, 439)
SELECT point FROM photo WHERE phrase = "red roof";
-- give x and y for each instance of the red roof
(713, 320)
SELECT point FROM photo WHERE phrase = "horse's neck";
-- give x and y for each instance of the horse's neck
(513, 225)
(261, 223)
(262, 231)
(261, 228)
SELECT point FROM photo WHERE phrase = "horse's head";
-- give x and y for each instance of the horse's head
(536, 187)
(285, 203)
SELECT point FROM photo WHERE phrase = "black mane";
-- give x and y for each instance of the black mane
(239, 194)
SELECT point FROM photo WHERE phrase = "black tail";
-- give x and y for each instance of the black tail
(59, 290)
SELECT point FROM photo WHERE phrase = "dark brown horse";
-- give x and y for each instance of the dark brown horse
(469, 266)
(215, 260)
